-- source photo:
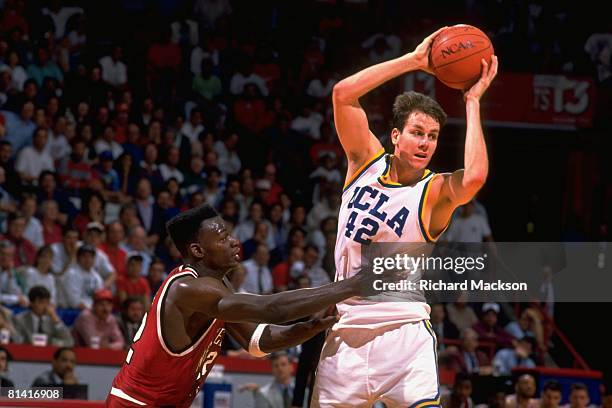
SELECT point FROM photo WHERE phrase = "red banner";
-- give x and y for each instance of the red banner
(520, 100)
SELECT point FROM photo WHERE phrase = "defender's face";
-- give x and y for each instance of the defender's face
(417, 142)
(220, 250)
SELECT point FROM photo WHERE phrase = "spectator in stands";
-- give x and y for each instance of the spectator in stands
(278, 393)
(246, 229)
(469, 226)
(75, 172)
(579, 396)
(525, 389)
(169, 168)
(282, 272)
(468, 359)
(132, 312)
(244, 77)
(443, 327)
(321, 85)
(148, 166)
(229, 160)
(461, 395)
(148, 211)
(94, 236)
(48, 190)
(519, 356)
(260, 236)
(137, 243)
(65, 252)
(25, 251)
(34, 159)
(92, 210)
(98, 328)
(528, 324)
(107, 143)
(7, 329)
(62, 370)
(111, 247)
(33, 229)
(550, 397)
(5, 358)
(206, 85)
(44, 67)
(41, 319)
(258, 278)
(20, 127)
(41, 274)
(77, 285)
(308, 122)
(488, 327)
(51, 228)
(114, 71)
(312, 268)
(133, 284)
(156, 275)
(192, 128)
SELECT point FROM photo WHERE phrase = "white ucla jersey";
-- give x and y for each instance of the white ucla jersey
(375, 209)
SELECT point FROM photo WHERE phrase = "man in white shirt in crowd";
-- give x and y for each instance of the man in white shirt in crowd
(192, 128)
(78, 284)
(64, 252)
(114, 71)
(94, 236)
(469, 226)
(32, 160)
(258, 278)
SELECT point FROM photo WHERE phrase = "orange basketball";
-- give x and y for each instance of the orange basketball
(456, 53)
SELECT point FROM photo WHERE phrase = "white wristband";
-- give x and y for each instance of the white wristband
(254, 349)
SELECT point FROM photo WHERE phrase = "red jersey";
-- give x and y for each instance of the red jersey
(152, 375)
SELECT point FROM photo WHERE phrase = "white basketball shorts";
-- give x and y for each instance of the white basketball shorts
(394, 364)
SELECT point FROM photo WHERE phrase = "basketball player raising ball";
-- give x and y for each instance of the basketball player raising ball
(180, 337)
(386, 351)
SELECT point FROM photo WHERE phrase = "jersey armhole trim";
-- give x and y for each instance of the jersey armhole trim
(362, 169)
(160, 301)
(425, 231)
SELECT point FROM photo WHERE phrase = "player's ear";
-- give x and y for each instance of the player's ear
(395, 133)
(196, 250)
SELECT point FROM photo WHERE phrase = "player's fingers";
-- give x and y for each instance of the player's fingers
(485, 68)
(494, 66)
(435, 33)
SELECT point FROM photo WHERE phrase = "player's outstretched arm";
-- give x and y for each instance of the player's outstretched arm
(215, 300)
(351, 122)
(462, 185)
(212, 298)
(276, 338)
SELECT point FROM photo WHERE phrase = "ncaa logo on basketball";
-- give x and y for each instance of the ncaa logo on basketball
(455, 48)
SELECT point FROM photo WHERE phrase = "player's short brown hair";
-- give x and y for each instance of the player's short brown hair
(411, 101)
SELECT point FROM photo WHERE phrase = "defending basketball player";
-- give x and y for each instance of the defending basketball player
(385, 351)
(180, 337)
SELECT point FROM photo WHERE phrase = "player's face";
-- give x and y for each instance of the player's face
(220, 250)
(551, 399)
(416, 143)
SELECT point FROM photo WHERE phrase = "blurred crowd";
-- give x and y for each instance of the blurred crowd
(115, 117)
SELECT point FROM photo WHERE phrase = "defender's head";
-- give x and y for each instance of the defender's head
(200, 235)
(417, 120)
